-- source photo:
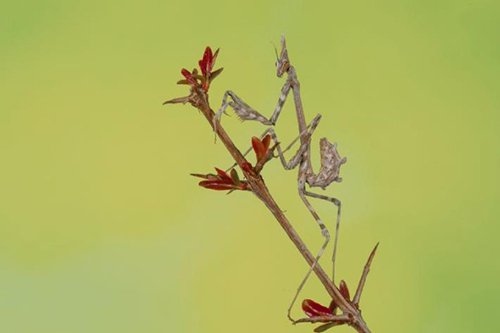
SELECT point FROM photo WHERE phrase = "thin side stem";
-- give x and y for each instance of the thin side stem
(324, 319)
(362, 280)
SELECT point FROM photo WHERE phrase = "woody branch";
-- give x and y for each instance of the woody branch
(198, 98)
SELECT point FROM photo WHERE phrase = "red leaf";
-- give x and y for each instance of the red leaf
(216, 185)
(207, 176)
(235, 177)
(333, 306)
(208, 54)
(313, 309)
(223, 175)
(222, 181)
(189, 77)
(206, 62)
(259, 148)
(215, 73)
(344, 290)
(214, 57)
(266, 141)
(220, 185)
(186, 73)
(202, 65)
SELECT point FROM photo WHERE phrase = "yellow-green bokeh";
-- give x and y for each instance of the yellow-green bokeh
(102, 229)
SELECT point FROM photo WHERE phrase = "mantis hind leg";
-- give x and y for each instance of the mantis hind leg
(324, 232)
(337, 203)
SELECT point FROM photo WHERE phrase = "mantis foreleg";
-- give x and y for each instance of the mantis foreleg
(246, 112)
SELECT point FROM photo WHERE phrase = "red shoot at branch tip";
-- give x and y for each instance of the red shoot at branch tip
(207, 75)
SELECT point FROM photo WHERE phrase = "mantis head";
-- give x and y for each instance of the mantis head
(282, 61)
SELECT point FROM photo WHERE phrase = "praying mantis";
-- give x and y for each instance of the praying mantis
(331, 161)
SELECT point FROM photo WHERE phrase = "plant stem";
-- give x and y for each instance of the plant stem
(199, 99)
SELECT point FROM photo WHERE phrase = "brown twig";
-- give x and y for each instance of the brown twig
(324, 319)
(362, 280)
(199, 99)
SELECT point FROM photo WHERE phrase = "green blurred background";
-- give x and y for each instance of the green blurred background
(103, 230)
